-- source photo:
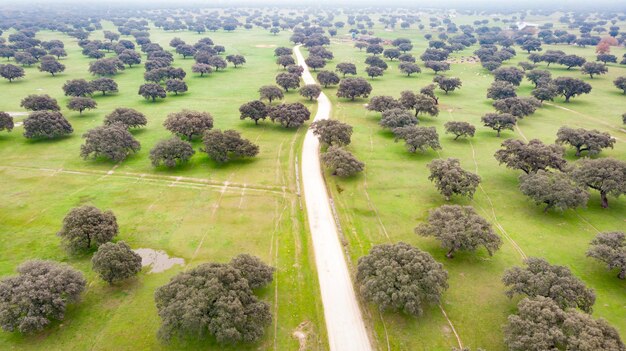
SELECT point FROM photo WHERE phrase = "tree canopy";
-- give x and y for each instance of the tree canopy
(214, 299)
(400, 277)
(450, 179)
(38, 295)
(222, 146)
(341, 163)
(87, 226)
(110, 141)
(610, 248)
(540, 278)
(459, 228)
(115, 262)
(532, 156)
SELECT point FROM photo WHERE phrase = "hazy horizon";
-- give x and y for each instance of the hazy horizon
(568, 5)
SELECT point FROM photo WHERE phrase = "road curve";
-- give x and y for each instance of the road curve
(344, 322)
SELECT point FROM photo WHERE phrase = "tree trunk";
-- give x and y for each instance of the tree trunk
(605, 200)
(450, 254)
(456, 137)
(498, 132)
(545, 210)
(622, 274)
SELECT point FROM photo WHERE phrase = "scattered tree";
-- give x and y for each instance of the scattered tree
(222, 146)
(311, 91)
(592, 141)
(257, 273)
(353, 87)
(516, 106)
(539, 278)
(78, 87)
(532, 156)
(188, 123)
(175, 86)
(572, 61)
(85, 226)
(171, 152)
(418, 138)
(201, 68)
(106, 66)
(501, 90)
(256, 110)
(396, 118)
(290, 115)
(46, 124)
(554, 189)
(104, 85)
(11, 72)
(409, 68)
(499, 121)
(450, 179)
(540, 324)
(236, 60)
(38, 295)
(115, 262)
(620, 83)
(152, 91)
(6, 122)
(606, 175)
(51, 66)
(111, 141)
(373, 71)
(383, 103)
(341, 163)
(437, 66)
(610, 248)
(511, 75)
(459, 228)
(332, 132)
(233, 313)
(315, 62)
(80, 103)
(448, 84)
(288, 81)
(327, 78)
(40, 103)
(401, 277)
(285, 60)
(270, 92)
(128, 117)
(539, 76)
(346, 68)
(460, 129)
(594, 68)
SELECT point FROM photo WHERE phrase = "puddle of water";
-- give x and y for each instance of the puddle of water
(158, 259)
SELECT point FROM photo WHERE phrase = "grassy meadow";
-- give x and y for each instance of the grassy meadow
(201, 211)
(394, 195)
(205, 212)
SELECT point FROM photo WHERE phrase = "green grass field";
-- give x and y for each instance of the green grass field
(219, 211)
(215, 213)
(394, 195)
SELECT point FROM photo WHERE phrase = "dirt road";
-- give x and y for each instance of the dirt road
(344, 322)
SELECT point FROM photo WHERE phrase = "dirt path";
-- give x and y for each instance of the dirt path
(344, 321)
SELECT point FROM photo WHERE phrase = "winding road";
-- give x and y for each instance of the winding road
(344, 322)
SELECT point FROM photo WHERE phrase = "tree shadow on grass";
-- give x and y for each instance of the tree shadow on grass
(49, 141)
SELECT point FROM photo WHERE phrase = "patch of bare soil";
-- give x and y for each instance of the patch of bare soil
(265, 46)
(302, 334)
(158, 259)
